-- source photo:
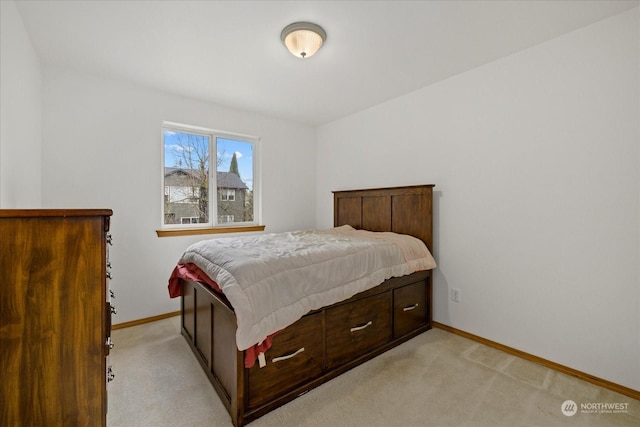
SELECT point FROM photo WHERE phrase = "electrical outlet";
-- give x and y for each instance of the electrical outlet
(455, 294)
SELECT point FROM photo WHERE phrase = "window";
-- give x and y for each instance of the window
(189, 220)
(227, 194)
(194, 196)
(225, 218)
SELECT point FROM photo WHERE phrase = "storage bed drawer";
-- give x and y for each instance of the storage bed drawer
(409, 308)
(295, 357)
(358, 327)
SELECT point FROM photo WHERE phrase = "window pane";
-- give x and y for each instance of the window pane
(235, 180)
(186, 177)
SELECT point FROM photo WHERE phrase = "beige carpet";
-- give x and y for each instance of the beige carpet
(436, 379)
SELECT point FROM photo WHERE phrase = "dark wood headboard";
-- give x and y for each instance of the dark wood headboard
(406, 210)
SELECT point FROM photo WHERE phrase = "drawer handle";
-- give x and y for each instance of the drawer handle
(411, 307)
(289, 356)
(359, 328)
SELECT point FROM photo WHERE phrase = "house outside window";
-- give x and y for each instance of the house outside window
(196, 197)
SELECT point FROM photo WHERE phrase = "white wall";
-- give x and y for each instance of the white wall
(20, 113)
(102, 148)
(535, 158)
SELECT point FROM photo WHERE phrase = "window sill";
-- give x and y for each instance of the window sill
(216, 230)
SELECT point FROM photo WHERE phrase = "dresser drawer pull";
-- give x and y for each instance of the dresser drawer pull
(359, 328)
(289, 356)
(411, 307)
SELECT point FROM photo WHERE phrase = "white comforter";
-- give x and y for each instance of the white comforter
(272, 280)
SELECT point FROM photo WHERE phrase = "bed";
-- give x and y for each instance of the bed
(326, 341)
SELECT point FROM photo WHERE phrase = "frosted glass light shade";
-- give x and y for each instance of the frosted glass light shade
(303, 39)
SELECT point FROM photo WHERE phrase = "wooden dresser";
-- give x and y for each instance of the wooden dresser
(55, 317)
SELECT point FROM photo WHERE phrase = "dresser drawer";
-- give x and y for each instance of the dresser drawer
(409, 308)
(295, 357)
(357, 327)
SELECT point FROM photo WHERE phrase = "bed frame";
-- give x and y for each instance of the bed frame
(327, 342)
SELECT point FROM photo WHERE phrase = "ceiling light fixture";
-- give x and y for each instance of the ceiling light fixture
(303, 39)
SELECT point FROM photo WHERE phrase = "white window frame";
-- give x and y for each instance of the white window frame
(213, 134)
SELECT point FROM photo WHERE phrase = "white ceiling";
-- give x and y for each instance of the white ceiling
(230, 53)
